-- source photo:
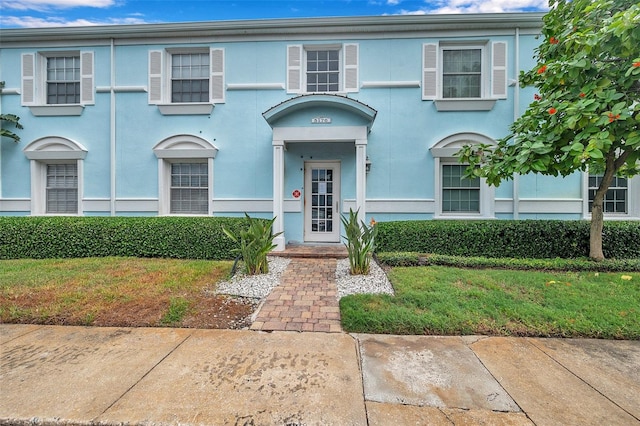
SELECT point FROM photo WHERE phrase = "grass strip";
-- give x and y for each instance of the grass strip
(443, 300)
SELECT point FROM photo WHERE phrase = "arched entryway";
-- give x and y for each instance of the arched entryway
(317, 124)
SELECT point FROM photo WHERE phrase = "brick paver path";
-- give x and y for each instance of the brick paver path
(305, 300)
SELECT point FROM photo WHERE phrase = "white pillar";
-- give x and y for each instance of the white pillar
(278, 194)
(361, 178)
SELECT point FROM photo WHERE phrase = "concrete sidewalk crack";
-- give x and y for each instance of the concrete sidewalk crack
(470, 346)
(533, 343)
(142, 377)
(359, 358)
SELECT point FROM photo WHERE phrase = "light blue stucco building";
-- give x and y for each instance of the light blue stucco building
(301, 119)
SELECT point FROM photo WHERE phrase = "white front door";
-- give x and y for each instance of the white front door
(322, 201)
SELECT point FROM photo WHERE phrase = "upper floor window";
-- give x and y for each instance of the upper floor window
(616, 198)
(186, 81)
(57, 82)
(461, 73)
(473, 72)
(190, 77)
(322, 68)
(63, 80)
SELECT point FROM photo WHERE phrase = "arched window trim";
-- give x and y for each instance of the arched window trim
(53, 150)
(182, 148)
(443, 153)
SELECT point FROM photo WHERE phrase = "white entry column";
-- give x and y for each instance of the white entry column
(361, 178)
(278, 194)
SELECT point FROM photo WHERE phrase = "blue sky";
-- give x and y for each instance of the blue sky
(48, 13)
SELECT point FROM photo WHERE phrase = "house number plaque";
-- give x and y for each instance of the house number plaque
(321, 120)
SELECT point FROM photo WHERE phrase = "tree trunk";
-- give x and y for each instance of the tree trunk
(597, 223)
(612, 165)
(597, 211)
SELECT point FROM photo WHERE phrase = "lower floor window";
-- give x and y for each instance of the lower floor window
(459, 194)
(615, 200)
(62, 188)
(189, 188)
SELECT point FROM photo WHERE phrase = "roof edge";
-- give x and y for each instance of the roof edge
(308, 26)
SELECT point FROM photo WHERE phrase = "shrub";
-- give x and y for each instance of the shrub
(557, 264)
(69, 237)
(538, 239)
(256, 241)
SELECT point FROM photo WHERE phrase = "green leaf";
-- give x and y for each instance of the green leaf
(577, 147)
(595, 153)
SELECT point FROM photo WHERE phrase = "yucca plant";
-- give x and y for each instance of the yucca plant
(360, 242)
(255, 243)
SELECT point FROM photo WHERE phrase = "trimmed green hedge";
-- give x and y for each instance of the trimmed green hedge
(395, 259)
(69, 237)
(202, 237)
(538, 239)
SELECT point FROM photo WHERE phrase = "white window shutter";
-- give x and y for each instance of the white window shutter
(294, 68)
(86, 78)
(28, 79)
(499, 70)
(155, 76)
(216, 90)
(350, 67)
(429, 71)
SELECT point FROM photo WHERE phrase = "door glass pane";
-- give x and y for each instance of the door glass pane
(322, 200)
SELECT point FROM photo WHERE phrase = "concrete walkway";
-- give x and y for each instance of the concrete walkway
(158, 376)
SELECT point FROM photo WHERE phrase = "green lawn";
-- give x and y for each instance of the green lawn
(429, 299)
(453, 301)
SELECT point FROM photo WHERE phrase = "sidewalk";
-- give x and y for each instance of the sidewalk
(156, 376)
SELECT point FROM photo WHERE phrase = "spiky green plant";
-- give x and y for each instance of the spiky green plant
(256, 241)
(360, 242)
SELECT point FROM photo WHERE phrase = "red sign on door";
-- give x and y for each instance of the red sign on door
(296, 193)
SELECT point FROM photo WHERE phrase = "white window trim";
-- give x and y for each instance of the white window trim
(34, 83)
(493, 77)
(297, 67)
(633, 199)
(182, 148)
(159, 85)
(53, 150)
(442, 153)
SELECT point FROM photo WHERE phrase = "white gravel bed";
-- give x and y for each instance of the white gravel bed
(259, 286)
(373, 283)
(256, 286)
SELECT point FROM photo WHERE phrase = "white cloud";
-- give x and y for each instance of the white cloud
(34, 22)
(393, 2)
(45, 5)
(422, 11)
(479, 6)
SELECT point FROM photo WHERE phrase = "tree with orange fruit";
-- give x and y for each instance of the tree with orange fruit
(586, 114)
